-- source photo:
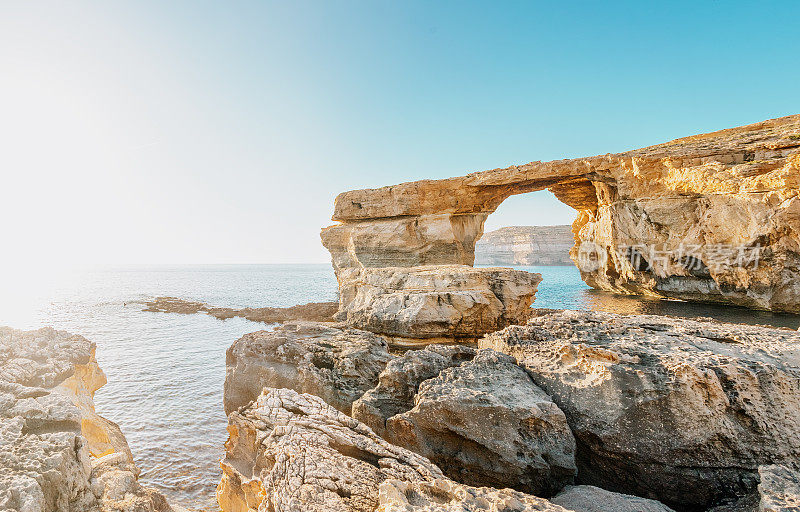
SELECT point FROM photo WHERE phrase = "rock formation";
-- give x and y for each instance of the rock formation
(293, 452)
(485, 423)
(713, 217)
(525, 245)
(312, 312)
(399, 382)
(677, 410)
(338, 365)
(56, 453)
(452, 301)
(288, 451)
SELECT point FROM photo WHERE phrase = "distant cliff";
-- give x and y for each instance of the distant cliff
(525, 245)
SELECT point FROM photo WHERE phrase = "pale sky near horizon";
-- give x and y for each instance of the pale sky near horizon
(220, 132)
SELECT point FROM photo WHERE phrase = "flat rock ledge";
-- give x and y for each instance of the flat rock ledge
(681, 411)
(435, 302)
(337, 364)
(56, 452)
(312, 312)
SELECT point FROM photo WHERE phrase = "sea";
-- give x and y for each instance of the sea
(166, 371)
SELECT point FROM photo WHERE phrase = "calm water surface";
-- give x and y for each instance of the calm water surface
(166, 371)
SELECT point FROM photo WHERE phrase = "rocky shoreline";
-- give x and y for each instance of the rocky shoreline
(56, 452)
(433, 386)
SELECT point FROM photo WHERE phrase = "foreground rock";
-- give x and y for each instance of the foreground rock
(431, 302)
(713, 217)
(525, 245)
(56, 453)
(486, 423)
(586, 498)
(288, 451)
(336, 364)
(312, 312)
(677, 410)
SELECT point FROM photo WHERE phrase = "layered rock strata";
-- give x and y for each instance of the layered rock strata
(56, 452)
(713, 217)
(429, 302)
(485, 423)
(681, 411)
(336, 364)
(525, 245)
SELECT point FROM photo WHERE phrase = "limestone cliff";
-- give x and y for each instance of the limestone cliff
(525, 245)
(713, 217)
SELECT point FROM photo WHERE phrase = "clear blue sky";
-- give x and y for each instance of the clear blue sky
(191, 132)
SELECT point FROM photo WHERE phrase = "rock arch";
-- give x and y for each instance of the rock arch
(729, 196)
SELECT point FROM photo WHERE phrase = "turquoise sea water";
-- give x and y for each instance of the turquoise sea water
(166, 371)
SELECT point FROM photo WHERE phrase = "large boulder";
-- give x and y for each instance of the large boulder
(587, 498)
(676, 410)
(486, 423)
(399, 382)
(336, 364)
(56, 452)
(448, 301)
(293, 452)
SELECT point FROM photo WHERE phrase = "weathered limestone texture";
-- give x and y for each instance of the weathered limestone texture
(587, 498)
(779, 488)
(293, 452)
(448, 496)
(486, 423)
(56, 453)
(399, 382)
(683, 219)
(338, 365)
(449, 301)
(525, 245)
(676, 410)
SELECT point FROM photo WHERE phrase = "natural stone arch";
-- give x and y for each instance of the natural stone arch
(735, 188)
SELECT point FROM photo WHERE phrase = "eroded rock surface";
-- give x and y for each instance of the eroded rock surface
(448, 496)
(56, 453)
(288, 451)
(779, 489)
(399, 381)
(682, 219)
(676, 410)
(453, 301)
(587, 498)
(486, 423)
(336, 364)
